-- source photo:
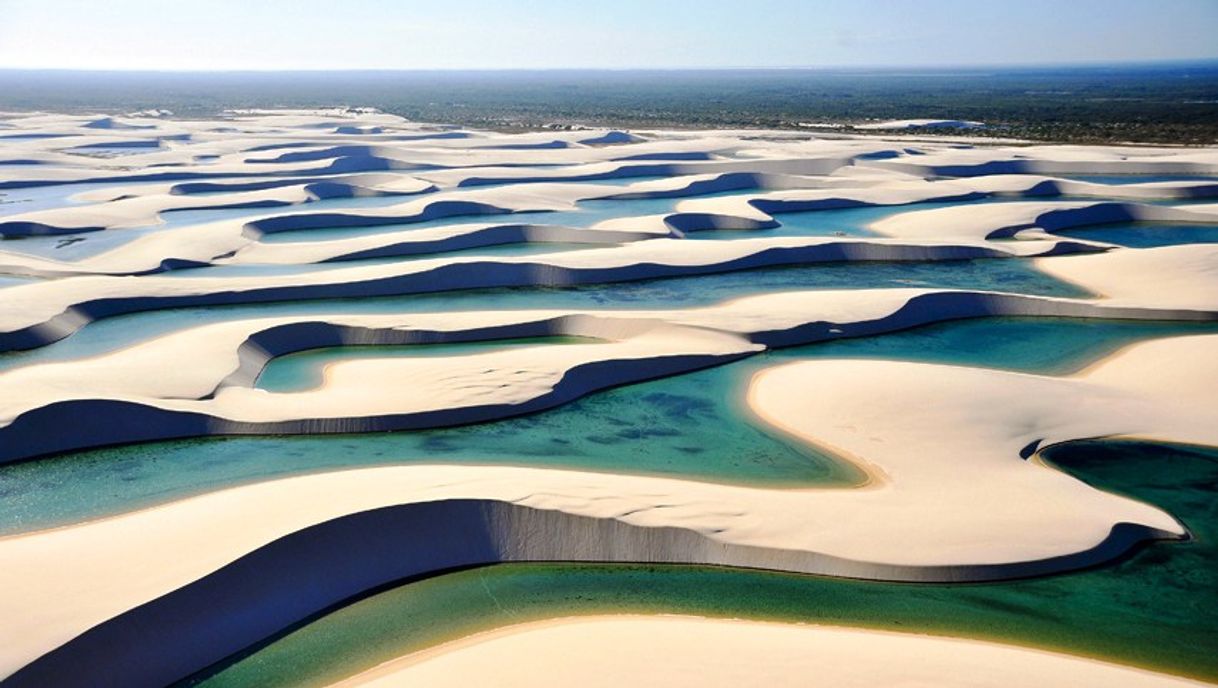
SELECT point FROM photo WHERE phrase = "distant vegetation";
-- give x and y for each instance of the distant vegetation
(1175, 103)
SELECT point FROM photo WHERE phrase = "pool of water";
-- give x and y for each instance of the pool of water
(15, 280)
(14, 201)
(617, 181)
(1046, 346)
(268, 269)
(627, 181)
(833, 222)
(857, 221)
(304, 370)
(180, 218)
(693, 425)
(1166, 591)
(586, 214)
(78, 246)
(841, 222)
(1010, 275)
(1146, 234)
(103, 151)
(1136, 178)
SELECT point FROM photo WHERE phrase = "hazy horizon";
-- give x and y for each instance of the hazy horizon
(372, 35)
(854, 70)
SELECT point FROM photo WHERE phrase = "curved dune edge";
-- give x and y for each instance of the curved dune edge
(788, 175)
(236, 241)
(106, 399)
(943, 450)
(38, 313)
(1183, 276)
(1024, 220)
(386, 394)
(35, 314)
(218, 148)
(907, 524)
(247, 600)
(683, 650)
(254, 143)
(142, 210)
(1056, 159)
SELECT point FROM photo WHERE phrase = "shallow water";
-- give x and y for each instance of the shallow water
(104, 151)
(86, 244)
(303, 370)
(627, 181)
(857, 221)
(1157, 608)
(840, 221)
(1146, 234)
(1136, 178)
(179, 218)
(75, 246)
(14, 201)
(836, 222)
(269, 269)
(585, 214)
(15, 280)
(1011, 275)
(692, 425)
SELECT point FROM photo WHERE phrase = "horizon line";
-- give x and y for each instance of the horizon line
(690, 68)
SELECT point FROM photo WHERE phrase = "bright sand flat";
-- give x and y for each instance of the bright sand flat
(704, 653)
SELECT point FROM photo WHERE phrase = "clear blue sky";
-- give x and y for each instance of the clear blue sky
(473, 34)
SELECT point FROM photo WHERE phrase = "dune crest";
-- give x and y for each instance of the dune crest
(152, 268)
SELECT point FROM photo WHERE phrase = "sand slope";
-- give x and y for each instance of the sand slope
(123, 239)
(684, 651)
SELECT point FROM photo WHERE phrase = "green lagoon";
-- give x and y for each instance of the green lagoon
(1157, 608)
(692, 426)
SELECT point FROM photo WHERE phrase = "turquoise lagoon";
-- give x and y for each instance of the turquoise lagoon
(692, 425)
(1011, 275)
(1146, 234)
(1156, 608)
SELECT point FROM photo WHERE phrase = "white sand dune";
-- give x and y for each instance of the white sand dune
(1060, 159)
(919, 518)
(38, 313)
(1032, 220)
(705, 653)
(920, 124)
(215, 396)
(1183, 276)
(91, 229)
(146, 209)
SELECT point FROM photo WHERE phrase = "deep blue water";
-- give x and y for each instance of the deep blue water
(1146, 234)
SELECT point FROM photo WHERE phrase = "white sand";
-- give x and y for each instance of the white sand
(949, 496)
(705, 653)
(228, 356)
(949, 488)
(1179, 276)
